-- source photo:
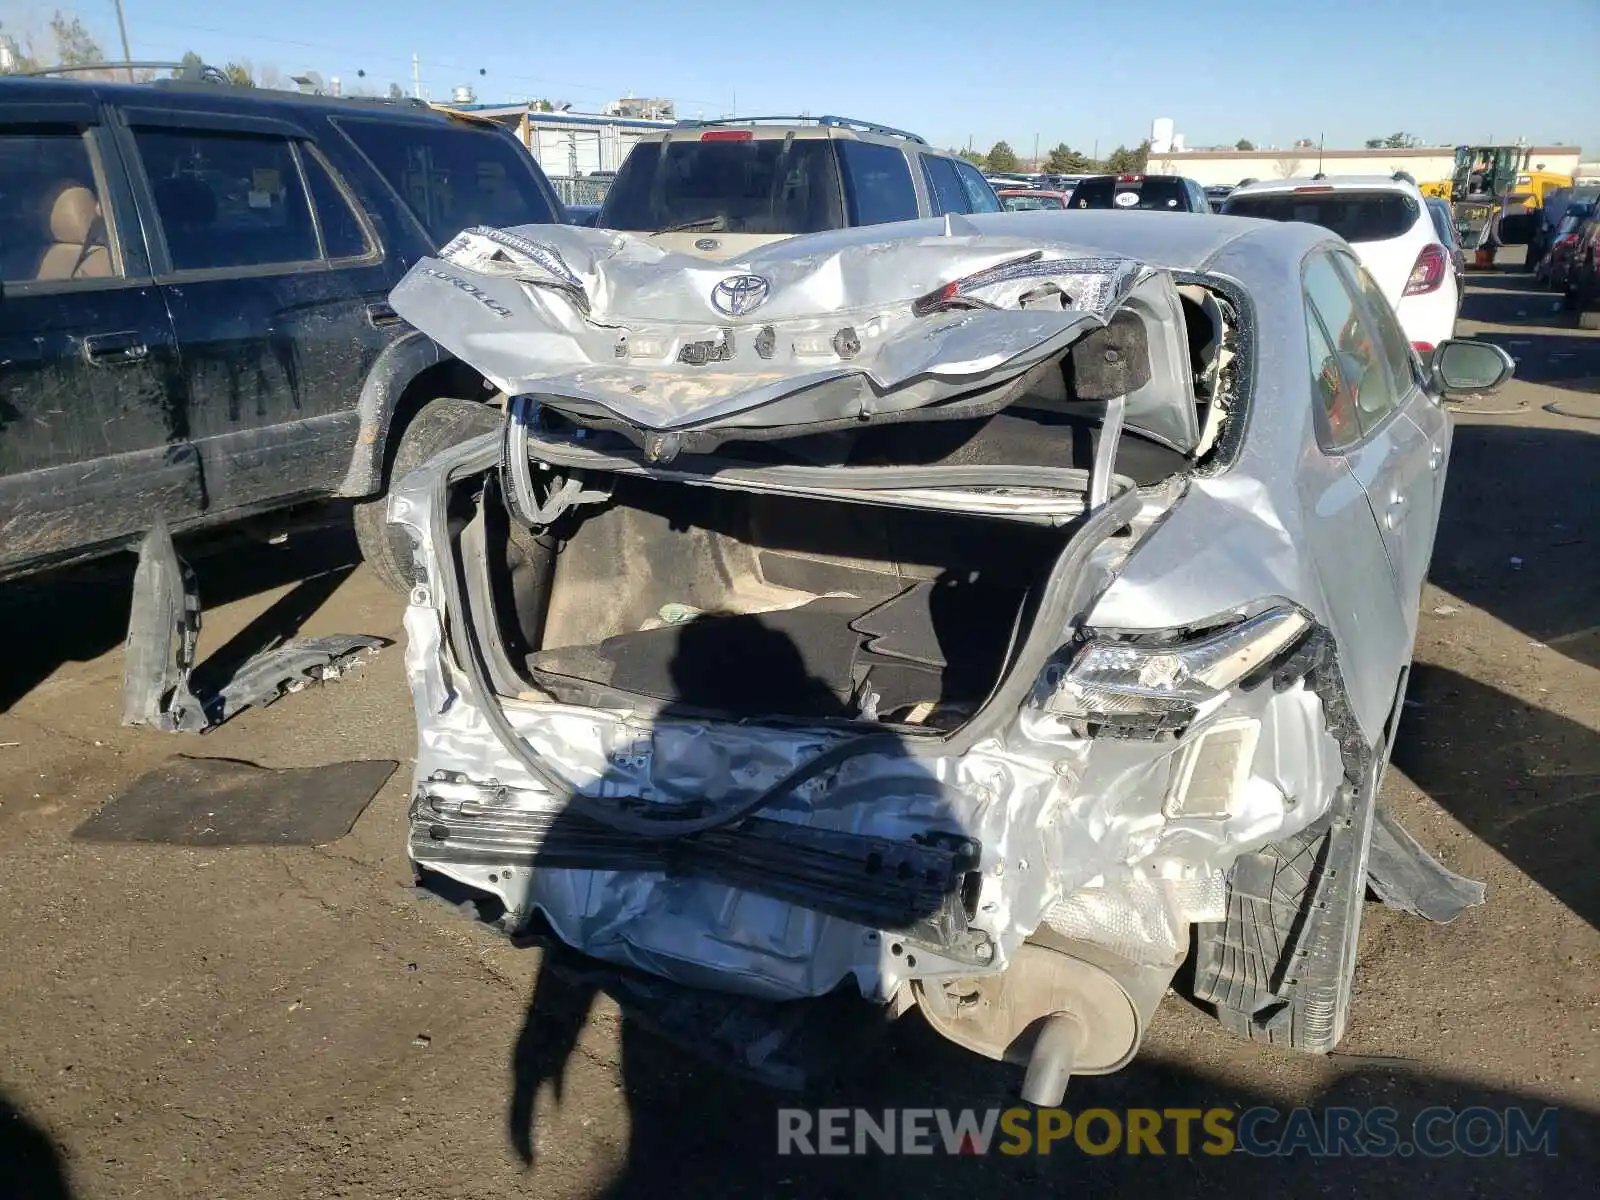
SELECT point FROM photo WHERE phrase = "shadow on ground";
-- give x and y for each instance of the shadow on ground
(1523, 779)
(1564, 360)
(32, 1166)
(79, 614)
(1517, 536)
(707, 1132)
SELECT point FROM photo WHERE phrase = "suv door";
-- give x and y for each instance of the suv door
(93, 433)
(1388, 456)
(276, 284)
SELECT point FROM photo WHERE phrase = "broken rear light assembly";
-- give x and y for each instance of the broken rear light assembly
(1143, 688)
(1428, 273)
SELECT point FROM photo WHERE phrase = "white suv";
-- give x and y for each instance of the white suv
(1386, 222)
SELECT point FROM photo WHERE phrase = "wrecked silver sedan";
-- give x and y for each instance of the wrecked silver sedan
(980, 614)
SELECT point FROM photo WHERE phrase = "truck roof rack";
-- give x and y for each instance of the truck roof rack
(829, 121)
(191, 72)
(870, 127)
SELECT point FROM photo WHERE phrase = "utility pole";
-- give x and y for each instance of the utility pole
(1321, 138)
(1036, 152)
(416, 77)
(122, 28)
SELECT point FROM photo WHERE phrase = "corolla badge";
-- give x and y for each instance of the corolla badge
(740, 294)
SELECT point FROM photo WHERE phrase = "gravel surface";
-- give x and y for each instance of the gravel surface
(287, 1022)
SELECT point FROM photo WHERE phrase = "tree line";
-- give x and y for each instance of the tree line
(1062, 160)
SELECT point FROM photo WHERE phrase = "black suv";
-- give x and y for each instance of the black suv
(194, 323)
(1154, 193)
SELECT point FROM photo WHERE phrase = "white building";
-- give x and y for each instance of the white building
(569, 143)
(1425, 164)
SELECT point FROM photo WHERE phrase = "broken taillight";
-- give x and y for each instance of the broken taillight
(1428, 274)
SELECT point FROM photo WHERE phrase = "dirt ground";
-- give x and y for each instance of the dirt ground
(302, 1023)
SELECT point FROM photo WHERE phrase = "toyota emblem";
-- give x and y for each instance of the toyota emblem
(739, 294)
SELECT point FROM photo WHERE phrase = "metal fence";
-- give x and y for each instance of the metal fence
(580, 189)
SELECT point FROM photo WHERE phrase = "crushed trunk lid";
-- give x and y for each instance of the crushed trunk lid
(816, 332)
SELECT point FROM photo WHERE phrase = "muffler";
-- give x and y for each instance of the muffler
(1060, 1008)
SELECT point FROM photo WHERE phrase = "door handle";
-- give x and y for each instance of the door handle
(111, 348)
(1394, 516)
(379, 314)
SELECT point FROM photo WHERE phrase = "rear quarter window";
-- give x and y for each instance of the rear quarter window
(1354, 216)
(877, 183)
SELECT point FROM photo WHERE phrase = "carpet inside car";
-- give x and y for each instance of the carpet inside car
(190, 801)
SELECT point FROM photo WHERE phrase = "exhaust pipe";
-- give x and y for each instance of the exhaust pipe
(1055, 1056)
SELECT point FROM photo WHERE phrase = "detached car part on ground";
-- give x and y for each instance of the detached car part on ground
(968, 618)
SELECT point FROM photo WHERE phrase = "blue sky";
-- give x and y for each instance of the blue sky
(1268, 70)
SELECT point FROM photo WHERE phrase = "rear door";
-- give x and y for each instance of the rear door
(1389, 455)
(276, 285)
(93, 431)
(1424, 470)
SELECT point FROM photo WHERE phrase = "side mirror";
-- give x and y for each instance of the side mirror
(1464, 368)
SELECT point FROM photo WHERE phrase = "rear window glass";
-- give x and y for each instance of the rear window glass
(1354, 216)
(760, 186)
(1029, 203)
(1166, 195)
(452, 177)
(877, 183)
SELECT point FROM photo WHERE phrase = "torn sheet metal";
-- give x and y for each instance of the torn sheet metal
(1053, 814)
(604, 322)
(163, 637)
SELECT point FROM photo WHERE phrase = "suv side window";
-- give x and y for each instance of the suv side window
(877, 182)
(1350, 353)
(944, 186)
(344, 234)
(227, 200)
(53, 225)
(979, 194)
(452, 177)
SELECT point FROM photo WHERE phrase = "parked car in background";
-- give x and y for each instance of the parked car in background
(1582, 294)
(1554, 267)
(722, 188)
(196, 326)
(1216, 195)
(1031, 199)
(1387, 222)
(1061, 183)
(731, 668)
(1444, 225)
(1153, 193)
(582, 214)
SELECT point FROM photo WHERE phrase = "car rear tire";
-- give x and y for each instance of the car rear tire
(439, 424)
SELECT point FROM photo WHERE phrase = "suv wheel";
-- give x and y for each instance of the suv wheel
(440, 423)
